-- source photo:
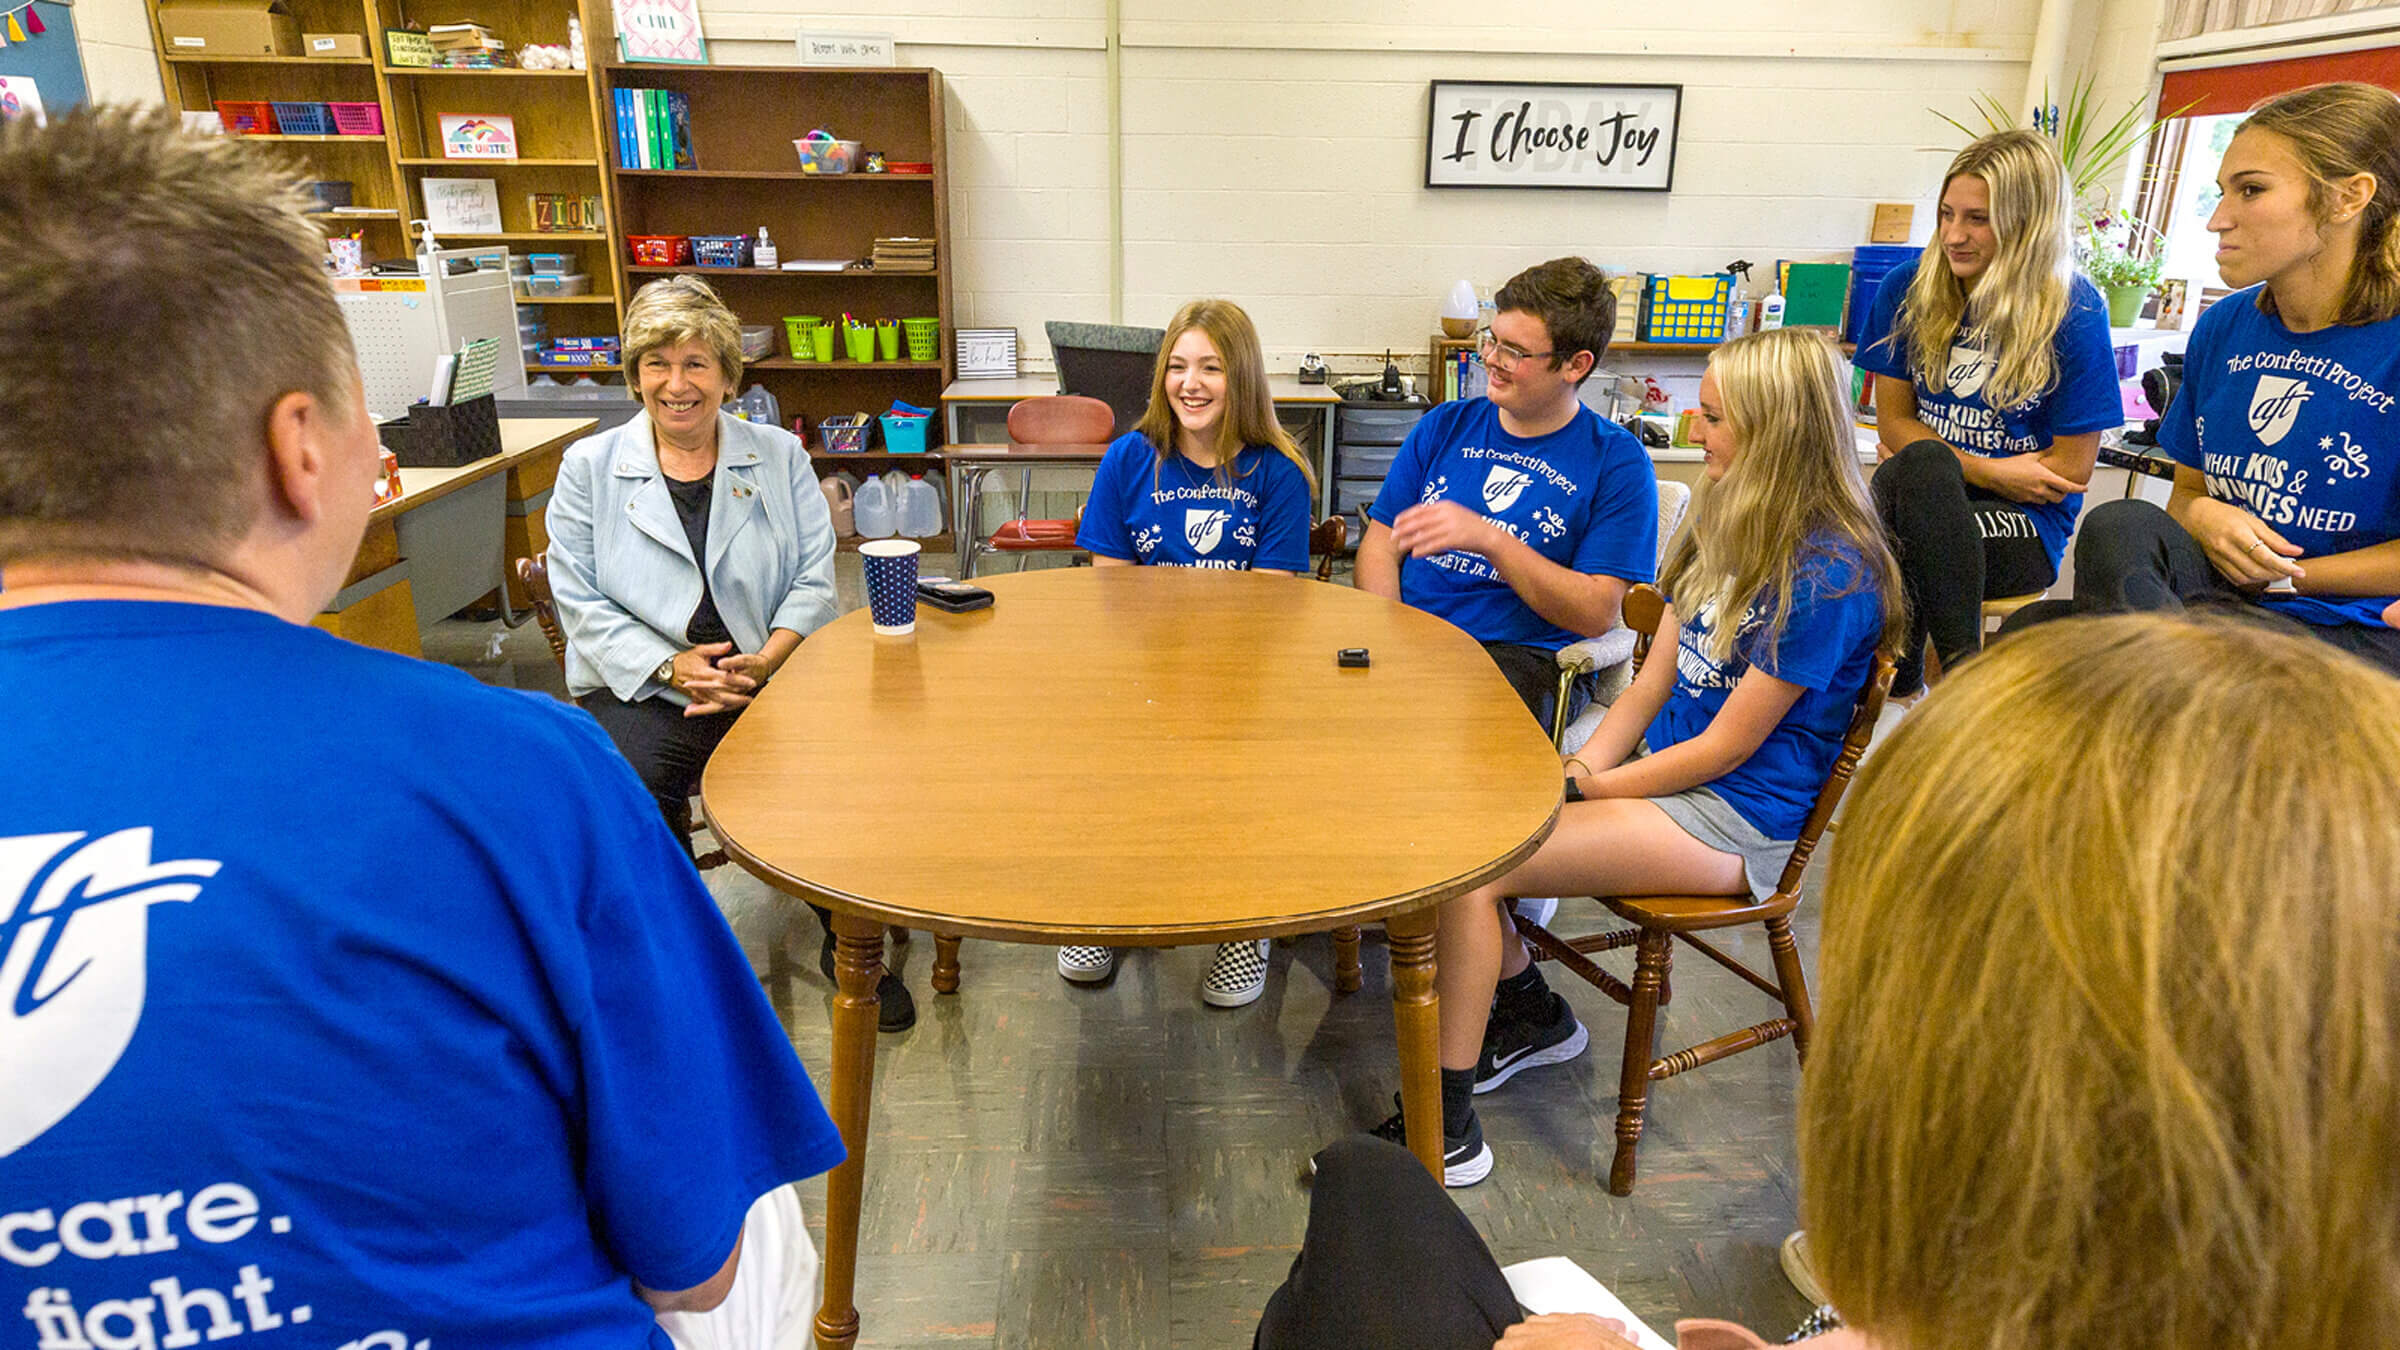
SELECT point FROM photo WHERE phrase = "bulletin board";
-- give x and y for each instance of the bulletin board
(48, 58)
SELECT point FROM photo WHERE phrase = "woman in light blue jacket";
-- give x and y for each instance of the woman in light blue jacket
(690, 552)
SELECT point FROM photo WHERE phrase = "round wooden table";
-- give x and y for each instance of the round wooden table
(1135, 756)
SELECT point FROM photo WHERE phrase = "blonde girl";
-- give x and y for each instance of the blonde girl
(1994, 377)
(1779, 597)
(1209, 479)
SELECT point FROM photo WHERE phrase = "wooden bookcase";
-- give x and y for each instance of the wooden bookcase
(195, 82)
(560, 144)
(743, 122)
(556, 113)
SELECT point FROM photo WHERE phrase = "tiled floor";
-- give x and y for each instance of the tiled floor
(1120, 1166)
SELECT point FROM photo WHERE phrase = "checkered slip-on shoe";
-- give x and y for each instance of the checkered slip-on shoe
(1237, 976)
(1086, 965)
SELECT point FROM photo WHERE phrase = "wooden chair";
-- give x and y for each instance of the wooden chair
(534, 572)
(1048, 419)
(1326, 542)
(1607, 660)
(1662, 920)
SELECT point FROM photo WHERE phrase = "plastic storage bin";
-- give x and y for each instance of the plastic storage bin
(820, 153)
(330, 193)
(545, 284)
(356, 119)
(246, 118)
(758, 339)
(904, 433)
(660, 250)
(846, 434)
(720, 250)
(303, 119)
(1869, 265)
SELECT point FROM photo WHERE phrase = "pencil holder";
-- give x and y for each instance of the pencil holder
(887, 339)
(860, 340)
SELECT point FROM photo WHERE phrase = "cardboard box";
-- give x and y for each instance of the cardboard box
(229, 27)
(331, 45)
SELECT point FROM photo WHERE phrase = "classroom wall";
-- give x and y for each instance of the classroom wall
(1280, 161)
(120, 62)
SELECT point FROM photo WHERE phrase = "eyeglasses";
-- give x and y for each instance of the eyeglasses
(1506, 355)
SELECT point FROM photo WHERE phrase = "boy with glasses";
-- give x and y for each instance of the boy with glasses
(1522, 517)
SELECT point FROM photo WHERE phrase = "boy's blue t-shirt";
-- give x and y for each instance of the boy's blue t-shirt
(1827, 648)
(1584, 496)
(2299, 428)
(343, 994)
(1173, 513)
(2085, 398)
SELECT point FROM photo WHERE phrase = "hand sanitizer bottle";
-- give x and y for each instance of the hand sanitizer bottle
(763, 254)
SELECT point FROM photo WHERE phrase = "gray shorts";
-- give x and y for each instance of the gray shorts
(1707, 817)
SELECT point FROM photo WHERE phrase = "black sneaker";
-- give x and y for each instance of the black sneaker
(1511, 1044)
(1466, 1159)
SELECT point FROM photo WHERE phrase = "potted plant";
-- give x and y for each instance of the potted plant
(2121, 257)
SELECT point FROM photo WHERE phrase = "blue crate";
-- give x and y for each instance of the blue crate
(304, 119)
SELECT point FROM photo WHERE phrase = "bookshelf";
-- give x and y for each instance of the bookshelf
(560, 144)
(743, 122)
(197, 81)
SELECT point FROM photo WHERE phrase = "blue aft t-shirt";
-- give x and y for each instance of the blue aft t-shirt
(2300, 429)
(2084, 399)
(1584, 496)
(1173, 513)
(1827, 648)
(346, 998)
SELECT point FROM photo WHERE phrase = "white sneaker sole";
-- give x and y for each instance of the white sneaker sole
(1236, 998)
(1560, 1053)
(1462, 1174)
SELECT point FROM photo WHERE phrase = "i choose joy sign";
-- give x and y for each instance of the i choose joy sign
(1616, 136)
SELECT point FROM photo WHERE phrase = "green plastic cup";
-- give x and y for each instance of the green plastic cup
(860, 339)
(887, 339)
(820, 342)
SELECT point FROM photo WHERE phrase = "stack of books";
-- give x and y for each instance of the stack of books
(654, 130)
(903, 254)
(469, 46)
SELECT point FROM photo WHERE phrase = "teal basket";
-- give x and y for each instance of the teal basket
(904, 435)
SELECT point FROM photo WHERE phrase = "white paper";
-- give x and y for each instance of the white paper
(1554, 1284)
(462, 205)
(19, 97)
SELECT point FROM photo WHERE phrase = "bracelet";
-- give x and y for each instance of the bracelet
(1577, 761)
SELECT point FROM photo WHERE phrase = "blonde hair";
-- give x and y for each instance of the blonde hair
(1794, 476)
(2022, 296)
(120, 233)
(676, 310)
(1249, 417)
(2106, 1052)
(2336, 130)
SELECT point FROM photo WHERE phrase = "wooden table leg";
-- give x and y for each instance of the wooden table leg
(858, 967)
(1417, 1018)
(945, 964)
(1347, 974)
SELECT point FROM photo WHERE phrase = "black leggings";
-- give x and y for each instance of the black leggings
(1388, 1261)
(1533, 673)
(666, 749)
(1957, 547)
(2130, 555)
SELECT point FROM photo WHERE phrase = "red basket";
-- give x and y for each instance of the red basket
(660, 250)
(357, 119)
(246, 118)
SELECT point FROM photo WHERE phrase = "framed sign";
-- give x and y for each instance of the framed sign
(987, 353)
(478, 136)
(847, 49)
(1516, 135)
(661, 30)
(462, 205)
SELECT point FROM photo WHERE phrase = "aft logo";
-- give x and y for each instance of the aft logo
(1969, 368)
(2274, 406)
(1502, 488)
(74, 937)
(1204, 526)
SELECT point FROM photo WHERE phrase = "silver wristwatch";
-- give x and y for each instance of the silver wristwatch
(665, 674)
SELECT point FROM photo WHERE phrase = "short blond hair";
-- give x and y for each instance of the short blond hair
(2110, 963)
(159, 292)
(676, 310)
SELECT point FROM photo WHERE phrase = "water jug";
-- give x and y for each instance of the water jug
(839, 501)
(920, 514)
(872, 510)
